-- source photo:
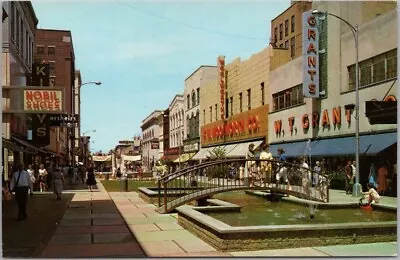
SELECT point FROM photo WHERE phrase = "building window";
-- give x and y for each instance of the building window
(275, 34)
(188, 102)
(204, 116)
(216, 112)
(292, 47)
(21, 35)
(262, 94)
(231, 106)
(210, 114)
(288, 98)
(193, 99)
(374, 70)
(198, 96)
(26, 46)
(52, 65)
(17, 29)
(286, 44)
(292, 24)
(249, 99)
(281, 31)
(51, 50)
(52, 81)
(286, 27)
(12, 19)
(240, 102)
(40, 50)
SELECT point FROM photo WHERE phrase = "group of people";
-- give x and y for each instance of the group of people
(24, 182)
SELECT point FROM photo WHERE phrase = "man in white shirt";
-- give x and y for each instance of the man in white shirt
(266, 166)
(20, 183)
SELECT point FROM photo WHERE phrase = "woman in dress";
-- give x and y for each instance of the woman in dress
(42, 178)
(382, 175)
(90, 180)
(58, 182)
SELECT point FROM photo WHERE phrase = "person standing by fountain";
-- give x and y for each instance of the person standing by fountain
(382, 175)
(317, 172)
(305, 175)
(265, 165)
(348, 177)
(282, 170)
(372, 175)
(250, 166)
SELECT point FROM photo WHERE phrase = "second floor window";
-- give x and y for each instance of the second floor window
(292, 47)
(262, 94)
(281, 31)
(188, 101)
(275, 34)
(292, 22)
(240, 102)
(288, 98)
(216, 112)
(286, 27)
(40, 50)
(51, 50)
(198, 96)
(249, 99)
(52, 66)
(210, 113)
(231, 106)
(374, 70)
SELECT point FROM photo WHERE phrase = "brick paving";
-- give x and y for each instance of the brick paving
(120, 224)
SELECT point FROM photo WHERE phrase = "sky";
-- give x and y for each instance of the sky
(142, 51)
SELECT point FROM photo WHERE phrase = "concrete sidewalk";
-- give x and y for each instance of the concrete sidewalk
(101, 224)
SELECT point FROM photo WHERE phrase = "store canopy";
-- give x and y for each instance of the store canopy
(240, 149)
(29, 148)
(291, 149)
(184, 157)
(369, 145)
(11, 145)
(131, 158)
(101, 158)
(203, 153)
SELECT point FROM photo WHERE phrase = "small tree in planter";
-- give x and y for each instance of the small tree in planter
(217, 171)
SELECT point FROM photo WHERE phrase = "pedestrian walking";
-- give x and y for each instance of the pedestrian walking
(348, 177)
(58, 182)
(90, 180)
(31, 173)
(382, 175)
(21, 183)
(266, 166)
(42, 177)
(372, 175)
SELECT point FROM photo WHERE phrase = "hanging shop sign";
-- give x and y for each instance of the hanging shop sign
(250, 124)
(40, 74)
(221, 80)
(40, 129)
(63, 120)
(310, 56)
(43, 100)
(193, 147)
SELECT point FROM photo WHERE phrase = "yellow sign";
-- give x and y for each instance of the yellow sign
(42, 100)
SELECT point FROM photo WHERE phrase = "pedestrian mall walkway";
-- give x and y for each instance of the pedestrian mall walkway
(120, 224)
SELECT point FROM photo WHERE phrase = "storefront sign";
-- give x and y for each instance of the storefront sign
(42, 100)
(310, 56)
(155, 145)
(191, 147)
(40, 74)
(64, 120)
(40, 129)
(221, 77)
(246, 125)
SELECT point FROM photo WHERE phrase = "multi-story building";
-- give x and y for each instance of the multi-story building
(150, 139)
(193, 85)
(127, 152)
(55, 47)
(176, 129)
(234, 109)
(324, 128)
(19, 24)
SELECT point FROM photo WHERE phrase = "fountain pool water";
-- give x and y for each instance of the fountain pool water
(259, 211)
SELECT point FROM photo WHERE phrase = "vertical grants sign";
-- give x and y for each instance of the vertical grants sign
(310, 56)
(221, 79)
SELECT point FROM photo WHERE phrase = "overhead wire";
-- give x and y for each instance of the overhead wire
(190, 25)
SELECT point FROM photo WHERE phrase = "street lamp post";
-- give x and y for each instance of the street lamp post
(354, 30)
(74, 108)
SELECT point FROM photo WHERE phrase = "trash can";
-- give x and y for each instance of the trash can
(124, 184)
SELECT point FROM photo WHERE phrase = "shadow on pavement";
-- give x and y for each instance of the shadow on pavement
(27, 238)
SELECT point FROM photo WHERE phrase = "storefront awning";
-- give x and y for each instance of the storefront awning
(369, 145)
(29, 148)
(202, 153)
(184, 157)
(131, 158)
(240, 149)
(11, 145)
(291, 149)
(101, 158)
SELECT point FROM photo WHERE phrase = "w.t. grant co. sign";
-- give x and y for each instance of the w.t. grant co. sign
(310, 56)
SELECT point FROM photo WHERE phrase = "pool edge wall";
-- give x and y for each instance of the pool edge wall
(229, 238)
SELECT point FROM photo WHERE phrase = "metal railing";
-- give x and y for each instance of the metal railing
(205, 179)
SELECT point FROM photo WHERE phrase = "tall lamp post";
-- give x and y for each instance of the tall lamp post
(354, 30)
(77, 93)
(84, 150)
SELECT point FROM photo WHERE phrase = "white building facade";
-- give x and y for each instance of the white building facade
(150, 139)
